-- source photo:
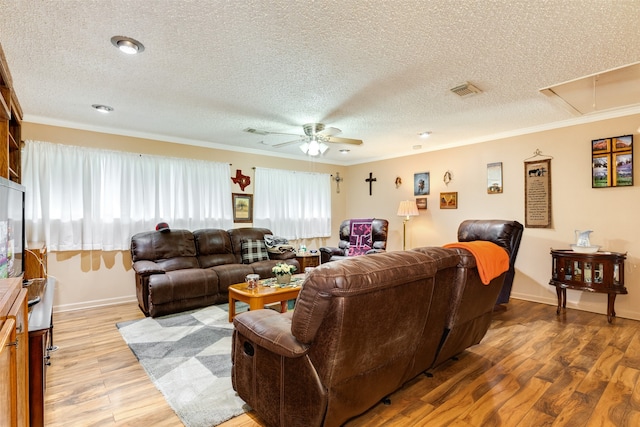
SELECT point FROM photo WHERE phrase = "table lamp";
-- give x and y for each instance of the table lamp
(406, 209)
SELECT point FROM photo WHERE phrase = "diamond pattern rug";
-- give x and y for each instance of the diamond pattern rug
(188, 358)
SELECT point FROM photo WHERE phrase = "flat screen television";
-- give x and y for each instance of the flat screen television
(12, 233)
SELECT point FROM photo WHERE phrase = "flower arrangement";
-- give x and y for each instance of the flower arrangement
(282, 269)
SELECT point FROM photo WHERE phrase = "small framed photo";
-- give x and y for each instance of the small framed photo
(622, 143)
(449, 200)
(421, 202)
(421, 184)
(600, 171)
(242, 207)
(494, 178)
(601, 145)
(623, 169)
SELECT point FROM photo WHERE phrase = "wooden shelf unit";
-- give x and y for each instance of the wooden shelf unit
(10, 126)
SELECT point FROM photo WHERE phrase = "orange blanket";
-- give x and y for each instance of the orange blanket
(491, 259)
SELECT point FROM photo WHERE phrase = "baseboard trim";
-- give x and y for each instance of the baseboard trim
(592, 308)
(93, 304)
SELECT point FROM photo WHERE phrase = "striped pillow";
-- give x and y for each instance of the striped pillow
(254, 251)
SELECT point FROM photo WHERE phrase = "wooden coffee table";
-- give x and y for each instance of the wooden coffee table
(257, 298)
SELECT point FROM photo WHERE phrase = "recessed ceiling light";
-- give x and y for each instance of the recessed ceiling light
(102, 108)
(344, 151)
(424, 134)
(127, 45)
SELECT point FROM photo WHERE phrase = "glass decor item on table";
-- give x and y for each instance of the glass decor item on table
(252, 280)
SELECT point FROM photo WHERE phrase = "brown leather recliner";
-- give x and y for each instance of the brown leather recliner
(379, 232)
(472, 302)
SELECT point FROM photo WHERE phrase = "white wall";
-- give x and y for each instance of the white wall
(97, 278)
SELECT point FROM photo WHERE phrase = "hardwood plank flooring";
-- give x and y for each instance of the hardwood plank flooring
(532, 369)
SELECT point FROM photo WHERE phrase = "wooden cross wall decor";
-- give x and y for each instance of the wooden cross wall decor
(371, 180)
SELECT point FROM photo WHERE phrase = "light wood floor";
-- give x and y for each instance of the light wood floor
(532, 369)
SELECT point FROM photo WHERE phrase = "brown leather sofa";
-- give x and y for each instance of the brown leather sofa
(379, 232)
(361, 329)
(180, 270)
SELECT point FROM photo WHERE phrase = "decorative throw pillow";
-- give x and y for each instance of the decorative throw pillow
(253, 251)
(360, 239)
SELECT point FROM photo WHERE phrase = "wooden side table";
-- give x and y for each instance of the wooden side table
(601, 272)
(307, 259)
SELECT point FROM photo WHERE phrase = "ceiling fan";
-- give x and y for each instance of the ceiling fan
(314, 140)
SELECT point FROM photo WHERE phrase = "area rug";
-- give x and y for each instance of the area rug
(188, 358)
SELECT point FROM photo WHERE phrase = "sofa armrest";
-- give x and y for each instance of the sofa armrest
(326, 252)
(146, 268)
(282, 256)
(375, 251)
(270, 330)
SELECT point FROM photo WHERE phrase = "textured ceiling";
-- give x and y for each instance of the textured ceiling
(378, 70)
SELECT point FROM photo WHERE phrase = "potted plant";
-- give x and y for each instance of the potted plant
(283, 272)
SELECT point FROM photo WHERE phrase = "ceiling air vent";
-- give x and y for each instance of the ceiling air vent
(466, 89)
(255, 131)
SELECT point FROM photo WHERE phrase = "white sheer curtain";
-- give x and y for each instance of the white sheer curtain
(82, 198)
(294, 205)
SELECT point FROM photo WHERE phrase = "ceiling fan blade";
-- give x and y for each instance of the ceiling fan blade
(330, 131)
(283, 144)
(339, 140)
(266, 132)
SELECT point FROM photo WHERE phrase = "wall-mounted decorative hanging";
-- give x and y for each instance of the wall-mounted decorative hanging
(447, 177)
(242, 180)
(612, 162)
(421, 202)
(421, 184)
(242, 207)
(449, 200)
(398, 182)
(537, 192)
(338, 180)
(494, 178)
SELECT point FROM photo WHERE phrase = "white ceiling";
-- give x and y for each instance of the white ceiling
(378, 70)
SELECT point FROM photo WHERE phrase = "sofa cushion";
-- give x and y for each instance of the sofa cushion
(254, 251)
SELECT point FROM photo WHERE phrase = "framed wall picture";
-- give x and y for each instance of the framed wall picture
(242, 207)
(612, 162)
(449, 200)
(494, 178)
(421, 184)
(421, 202)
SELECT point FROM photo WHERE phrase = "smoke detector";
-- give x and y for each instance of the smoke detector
(466, 89)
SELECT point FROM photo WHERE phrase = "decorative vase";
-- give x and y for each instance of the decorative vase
(283, 279)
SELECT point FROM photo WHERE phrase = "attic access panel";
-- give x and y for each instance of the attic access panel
(608, 90)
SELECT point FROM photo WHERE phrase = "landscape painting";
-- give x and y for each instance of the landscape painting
(623, 163)
(600, 171)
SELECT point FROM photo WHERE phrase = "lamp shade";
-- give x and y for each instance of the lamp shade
(408, 208)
